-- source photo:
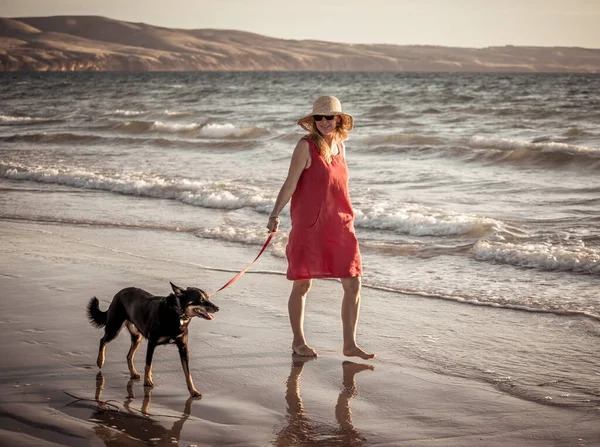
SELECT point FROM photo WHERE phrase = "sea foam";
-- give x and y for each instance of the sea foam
(546, 146)
(543, 256)
(418, 220)
(199, 193)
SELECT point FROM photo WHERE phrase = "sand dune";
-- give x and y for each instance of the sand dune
(101, 44)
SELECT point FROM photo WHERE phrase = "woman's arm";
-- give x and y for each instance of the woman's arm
(300, 161)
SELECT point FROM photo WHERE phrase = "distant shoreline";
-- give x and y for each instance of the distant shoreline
(92, 43)
(7, 72)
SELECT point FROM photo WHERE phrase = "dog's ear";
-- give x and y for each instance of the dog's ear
(177, 290)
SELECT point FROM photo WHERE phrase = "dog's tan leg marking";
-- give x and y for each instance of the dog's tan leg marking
(190, 384)
(148, 376)
(185, 362)
(135, 343)
(100, 359)
(136, 339)
(148, 369)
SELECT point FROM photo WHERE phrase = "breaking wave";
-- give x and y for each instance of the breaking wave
(203, 130)
(418, 220)
(204, 194)
(580, 259)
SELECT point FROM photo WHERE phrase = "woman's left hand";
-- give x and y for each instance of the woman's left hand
(273, 224)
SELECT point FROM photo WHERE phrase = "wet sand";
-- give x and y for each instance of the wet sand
(255, 392)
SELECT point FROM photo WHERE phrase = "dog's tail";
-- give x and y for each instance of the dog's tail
(96, 316)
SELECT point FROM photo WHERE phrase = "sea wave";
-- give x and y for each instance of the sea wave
(111, 223)
(247, 236)
(540, 152)
(49, 137)
(218, 195)
(483, 301)
(122, 112)
(544, 256)
(203, 130)
(176, 114)
(402, 218)
(418, 220)
(18, 120)
(402, 138)
(160, 140)
(139, 127)
(230, 131)
(541, 146)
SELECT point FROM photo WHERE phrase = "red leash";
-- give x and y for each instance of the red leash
(236, 277)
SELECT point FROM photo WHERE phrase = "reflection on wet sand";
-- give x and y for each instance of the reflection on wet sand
(133, 427)
(301, 430)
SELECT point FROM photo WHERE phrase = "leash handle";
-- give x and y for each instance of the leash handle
(236, 277)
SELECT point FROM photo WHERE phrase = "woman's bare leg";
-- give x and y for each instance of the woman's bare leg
(350, 311)
(296, 312)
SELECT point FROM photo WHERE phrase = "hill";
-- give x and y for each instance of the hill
(80, 43)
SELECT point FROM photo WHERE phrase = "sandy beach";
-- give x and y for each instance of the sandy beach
(254, 392)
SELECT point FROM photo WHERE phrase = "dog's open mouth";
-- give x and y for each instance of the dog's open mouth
(204, 314)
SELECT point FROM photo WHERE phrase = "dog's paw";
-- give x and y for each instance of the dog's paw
(135, 376)
(195, 393)
(148, 383)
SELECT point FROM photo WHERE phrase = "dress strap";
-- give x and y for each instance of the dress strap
(314, 150)
(342, 150)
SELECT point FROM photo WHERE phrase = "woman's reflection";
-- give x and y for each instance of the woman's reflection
(135, 427)
(301, 430)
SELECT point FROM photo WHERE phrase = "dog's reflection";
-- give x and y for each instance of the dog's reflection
(301, 430)
(134, 427)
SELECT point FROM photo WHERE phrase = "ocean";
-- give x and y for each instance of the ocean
(480, 189)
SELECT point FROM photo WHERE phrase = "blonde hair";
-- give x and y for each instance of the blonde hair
(340, 134)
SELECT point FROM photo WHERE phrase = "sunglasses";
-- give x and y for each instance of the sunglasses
(320, 117)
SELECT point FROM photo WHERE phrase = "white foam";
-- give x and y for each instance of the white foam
(122, 112)
(17, 119)
(418, 220)
(228, 130)
(175, 113)
(159, 126)
(206, 194)
(547, 146)
(540, 255)
(248, 236)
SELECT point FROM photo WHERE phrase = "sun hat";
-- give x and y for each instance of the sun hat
(326, 105)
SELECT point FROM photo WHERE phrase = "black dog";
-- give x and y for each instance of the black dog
(159, 319)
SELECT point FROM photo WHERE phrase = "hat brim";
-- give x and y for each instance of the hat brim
(307, 122)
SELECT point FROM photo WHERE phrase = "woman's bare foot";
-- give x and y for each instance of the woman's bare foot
(303, 350)
(298, 361)
(355, 351)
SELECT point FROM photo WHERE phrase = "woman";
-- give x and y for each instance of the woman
(322, 243)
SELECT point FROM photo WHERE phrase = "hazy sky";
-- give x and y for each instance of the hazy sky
(466, 23)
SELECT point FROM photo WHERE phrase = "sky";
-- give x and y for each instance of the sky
(459, 23)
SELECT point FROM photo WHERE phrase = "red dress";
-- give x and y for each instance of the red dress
(322, 242)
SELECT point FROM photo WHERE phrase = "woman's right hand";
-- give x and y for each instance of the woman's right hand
(273, 224)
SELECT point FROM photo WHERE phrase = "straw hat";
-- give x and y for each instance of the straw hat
(326, 105)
